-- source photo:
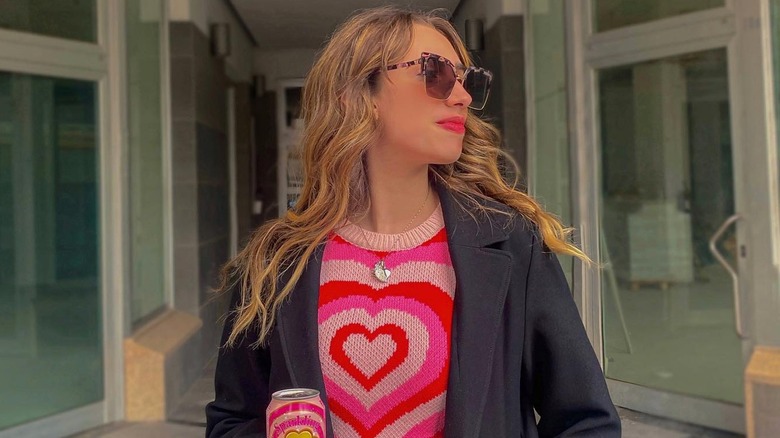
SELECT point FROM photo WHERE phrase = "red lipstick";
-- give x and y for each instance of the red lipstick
(454, 124)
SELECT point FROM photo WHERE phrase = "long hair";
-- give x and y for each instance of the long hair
(339, 128)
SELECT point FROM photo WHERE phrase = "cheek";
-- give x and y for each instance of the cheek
(405, 114)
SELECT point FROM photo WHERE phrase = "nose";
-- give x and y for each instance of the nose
(459, 95)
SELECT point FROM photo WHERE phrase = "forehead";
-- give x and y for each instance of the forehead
(428, 39)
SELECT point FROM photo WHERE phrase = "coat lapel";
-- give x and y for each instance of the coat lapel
(298, 331)
(482, 281)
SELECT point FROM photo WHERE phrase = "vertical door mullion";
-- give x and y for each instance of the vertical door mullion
(113, 201)
(756, 172)
(587, 288)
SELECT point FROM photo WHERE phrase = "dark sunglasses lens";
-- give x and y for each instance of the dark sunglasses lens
(477, 84)
(439, 78)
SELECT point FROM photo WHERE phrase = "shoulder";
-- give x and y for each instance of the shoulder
(520, 230)
(486, 222)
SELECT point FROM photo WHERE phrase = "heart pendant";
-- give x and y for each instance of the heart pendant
(380, 272)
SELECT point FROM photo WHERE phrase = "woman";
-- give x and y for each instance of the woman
(411, 285)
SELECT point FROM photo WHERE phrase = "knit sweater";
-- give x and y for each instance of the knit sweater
(384, 347)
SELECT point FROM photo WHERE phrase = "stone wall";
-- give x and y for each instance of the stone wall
(201, 189)
(503, 54)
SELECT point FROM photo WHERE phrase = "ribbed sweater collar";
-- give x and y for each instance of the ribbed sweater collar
(393, 242)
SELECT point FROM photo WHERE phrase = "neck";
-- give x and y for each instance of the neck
(398, 198)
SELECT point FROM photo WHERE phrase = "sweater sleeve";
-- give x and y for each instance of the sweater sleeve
(241, 385)
(569, 390)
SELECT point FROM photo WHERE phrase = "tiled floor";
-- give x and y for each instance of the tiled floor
(41, 326)
(188, 421)
(682, 337)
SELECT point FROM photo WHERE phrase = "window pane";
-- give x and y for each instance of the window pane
(144, 118)
(667, 185)
(51, 356)
(611, 14)
(775, 11)
(72, 19)
(550, 174)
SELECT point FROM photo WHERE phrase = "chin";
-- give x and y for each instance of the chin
(445, 159)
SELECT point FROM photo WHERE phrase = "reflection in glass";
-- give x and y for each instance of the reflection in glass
(144, 117)
(612, 14)
(666, 187)
(51, 357)
(72, 19)
(550, 175)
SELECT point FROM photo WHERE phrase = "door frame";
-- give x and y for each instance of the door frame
(745, 34)
(103, 64)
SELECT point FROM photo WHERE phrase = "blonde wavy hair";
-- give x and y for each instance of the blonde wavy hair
(339, 128)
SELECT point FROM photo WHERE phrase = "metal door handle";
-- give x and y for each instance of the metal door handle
(731, 271)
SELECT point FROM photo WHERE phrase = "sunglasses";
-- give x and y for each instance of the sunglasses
(440, 75)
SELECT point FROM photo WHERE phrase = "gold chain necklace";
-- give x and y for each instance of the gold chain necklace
(380, 270)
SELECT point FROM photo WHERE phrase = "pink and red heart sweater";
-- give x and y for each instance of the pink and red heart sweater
(384, 347)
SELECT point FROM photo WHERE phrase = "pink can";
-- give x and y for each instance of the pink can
(295, 413)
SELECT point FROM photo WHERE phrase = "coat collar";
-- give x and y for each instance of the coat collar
(482, 229)
(482, 281)
(482, 275)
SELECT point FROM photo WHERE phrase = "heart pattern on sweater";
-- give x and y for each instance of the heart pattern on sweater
(369, 356)
(408, 366)
(384, 346)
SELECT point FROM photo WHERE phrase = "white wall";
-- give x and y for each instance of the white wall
(283, 64)
(203, 13)
(514, 7)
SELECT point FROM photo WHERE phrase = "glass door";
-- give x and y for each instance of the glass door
(667, 186)
(51, 330)
(671, 153)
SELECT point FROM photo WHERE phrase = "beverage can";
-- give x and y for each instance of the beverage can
(295, 413)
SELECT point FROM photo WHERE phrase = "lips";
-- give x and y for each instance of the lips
(453, 124)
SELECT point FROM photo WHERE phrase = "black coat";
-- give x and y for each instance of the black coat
(518, 344)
